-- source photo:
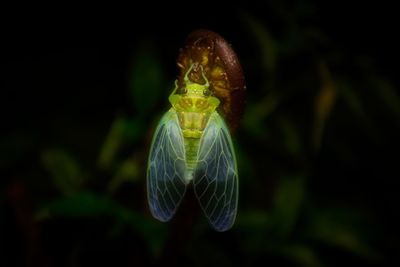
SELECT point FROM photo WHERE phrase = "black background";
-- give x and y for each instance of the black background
(67, 68)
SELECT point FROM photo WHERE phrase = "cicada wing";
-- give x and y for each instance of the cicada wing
(166, 168)
(216, 177)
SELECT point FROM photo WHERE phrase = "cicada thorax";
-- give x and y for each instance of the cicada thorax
(208, 53)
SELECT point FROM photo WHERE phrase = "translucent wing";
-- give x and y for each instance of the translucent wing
(216, 176)
(166, 168)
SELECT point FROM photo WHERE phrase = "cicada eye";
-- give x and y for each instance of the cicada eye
(183, 90)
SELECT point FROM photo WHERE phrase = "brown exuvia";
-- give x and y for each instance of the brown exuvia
(221, 67)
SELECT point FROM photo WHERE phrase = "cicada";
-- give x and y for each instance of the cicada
(192, 144)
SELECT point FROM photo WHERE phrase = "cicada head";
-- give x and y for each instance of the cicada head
(207, 58)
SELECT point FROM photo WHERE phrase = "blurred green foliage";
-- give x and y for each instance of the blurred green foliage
(64, 171)
(315, 124)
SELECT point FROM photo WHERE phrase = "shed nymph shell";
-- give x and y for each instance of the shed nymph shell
(221, 67)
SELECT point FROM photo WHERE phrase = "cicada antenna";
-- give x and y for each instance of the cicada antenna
(207, 84)
(186, 78)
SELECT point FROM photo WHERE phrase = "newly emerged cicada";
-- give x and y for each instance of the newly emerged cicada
(192, 143)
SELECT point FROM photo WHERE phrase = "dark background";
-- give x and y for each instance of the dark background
(83, 89)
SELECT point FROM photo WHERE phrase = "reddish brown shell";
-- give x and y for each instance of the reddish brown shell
(221, 67)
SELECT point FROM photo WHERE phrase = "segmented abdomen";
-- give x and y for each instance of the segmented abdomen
(191, 149)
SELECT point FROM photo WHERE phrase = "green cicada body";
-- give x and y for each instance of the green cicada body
(192, 144)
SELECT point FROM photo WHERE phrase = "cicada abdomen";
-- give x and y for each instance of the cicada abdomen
(208, 52)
